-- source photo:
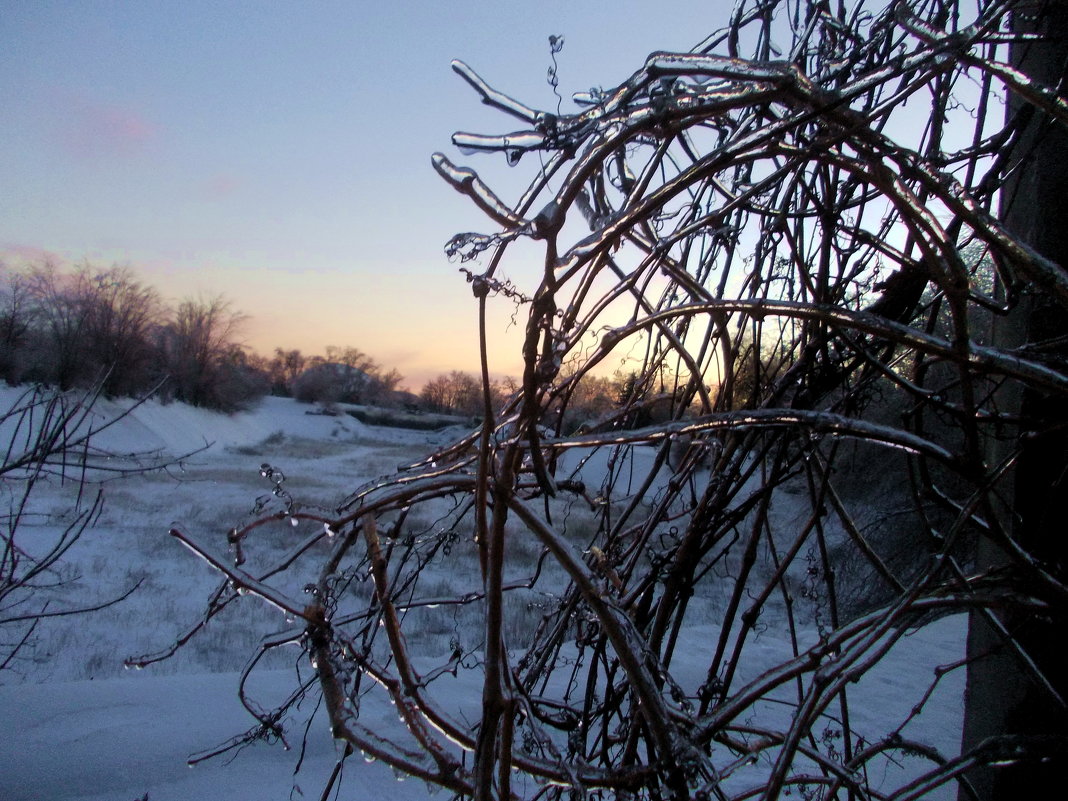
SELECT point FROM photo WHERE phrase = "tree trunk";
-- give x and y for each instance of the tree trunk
(1004, 695)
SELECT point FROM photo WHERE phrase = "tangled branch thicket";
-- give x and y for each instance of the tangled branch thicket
(793, 238)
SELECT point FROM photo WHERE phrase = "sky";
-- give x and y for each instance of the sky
(278, 153)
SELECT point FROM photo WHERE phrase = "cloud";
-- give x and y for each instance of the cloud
(222, 185)
(15, 254)
(92, 130)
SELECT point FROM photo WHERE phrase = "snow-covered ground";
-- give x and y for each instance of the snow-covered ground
(78, 726)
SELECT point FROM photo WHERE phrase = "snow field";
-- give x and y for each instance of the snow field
(82, 727)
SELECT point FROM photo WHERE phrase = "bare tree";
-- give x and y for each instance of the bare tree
(816, 180)
(386, 383)
(351, 357)
(455, 391)
(201, 358)
(80, 327)
(50, 436)
(15, 321)
(285, 368)
(61, 304)
(122, 315)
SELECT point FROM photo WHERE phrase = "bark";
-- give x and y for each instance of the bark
(1005, 696)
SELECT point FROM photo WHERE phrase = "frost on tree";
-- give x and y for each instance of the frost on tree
(789, 242)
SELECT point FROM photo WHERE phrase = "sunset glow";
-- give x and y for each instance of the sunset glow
(280, 154)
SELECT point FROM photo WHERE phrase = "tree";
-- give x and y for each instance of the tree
(1018, 664)
(121, 316)
(61, 311)
(203, 363)
(331, 382)
(77, 328)
(592, 398)
(815, 174)
(457, 392)
(15, 320)
(351, 357)
(386, 384)
(285, 368)
(345, 374)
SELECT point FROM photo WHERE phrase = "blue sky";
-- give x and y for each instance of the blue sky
(279, 152)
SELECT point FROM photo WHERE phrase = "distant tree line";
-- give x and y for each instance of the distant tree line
(622, 400)
(341, 374)
(461, 393)
(85, 326)
(91, 325)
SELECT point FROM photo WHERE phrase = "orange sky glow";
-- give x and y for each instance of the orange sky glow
(279, 154)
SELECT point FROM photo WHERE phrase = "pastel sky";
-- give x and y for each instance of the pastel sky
(279, 152)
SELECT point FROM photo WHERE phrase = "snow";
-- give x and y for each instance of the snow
(120, 738)
(78, 726)
(179, 428)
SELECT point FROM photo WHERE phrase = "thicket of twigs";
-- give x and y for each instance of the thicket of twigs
(793, 234)
(48, 437)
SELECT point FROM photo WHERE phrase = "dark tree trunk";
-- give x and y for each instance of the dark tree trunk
(1005, 696)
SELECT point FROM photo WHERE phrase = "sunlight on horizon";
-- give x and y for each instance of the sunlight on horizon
(282, 158)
